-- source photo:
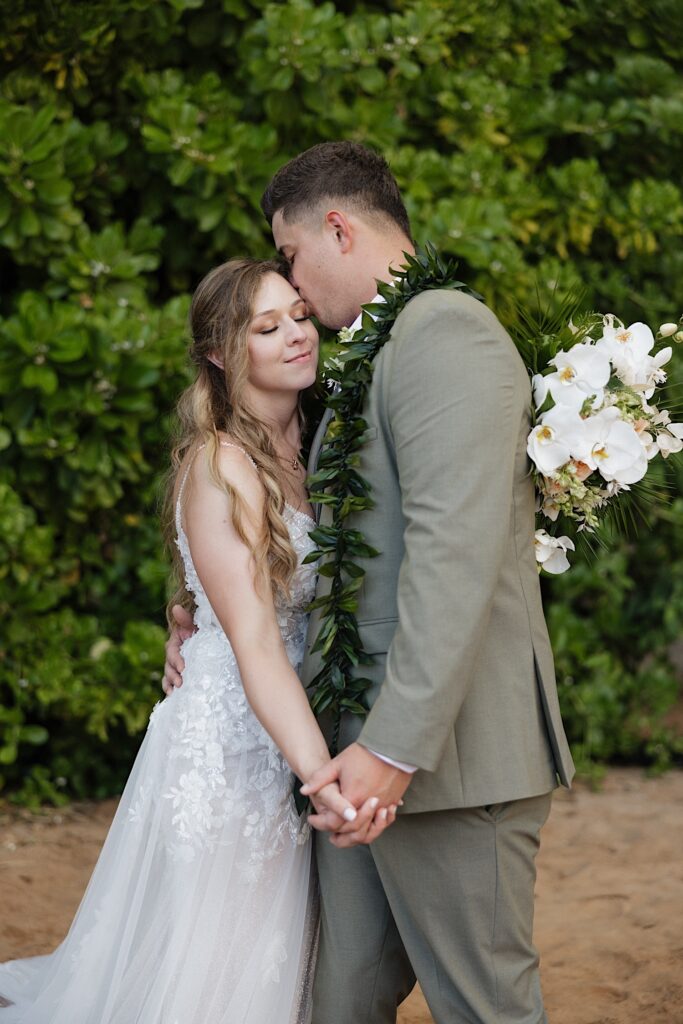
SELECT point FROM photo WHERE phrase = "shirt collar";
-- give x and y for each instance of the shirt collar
(357, 322)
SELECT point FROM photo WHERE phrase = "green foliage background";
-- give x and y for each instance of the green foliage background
(539, 141)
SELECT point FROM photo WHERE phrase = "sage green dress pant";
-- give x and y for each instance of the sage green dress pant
(446, 897)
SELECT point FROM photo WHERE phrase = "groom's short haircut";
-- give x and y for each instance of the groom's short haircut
(338, 171)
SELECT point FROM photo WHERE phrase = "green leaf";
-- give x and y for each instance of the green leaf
(29, 222)
(372, 80)
(354, 707)
(41, 377)
(55, 191)
(34, 734)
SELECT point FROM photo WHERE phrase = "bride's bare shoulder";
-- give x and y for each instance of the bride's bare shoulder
(234, 467)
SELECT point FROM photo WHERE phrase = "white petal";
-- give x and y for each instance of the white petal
(565, 392)
(663, 356)
(557, 563)
(641, 337)
(545, 449)
(539, 389)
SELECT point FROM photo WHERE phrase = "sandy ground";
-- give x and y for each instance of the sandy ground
(609, 921)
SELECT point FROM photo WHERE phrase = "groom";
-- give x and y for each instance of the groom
(464, 722)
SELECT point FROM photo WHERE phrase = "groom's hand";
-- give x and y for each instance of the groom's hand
(175, 664)
(361, 776)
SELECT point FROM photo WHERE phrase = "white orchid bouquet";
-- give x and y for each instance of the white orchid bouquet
(596, 426)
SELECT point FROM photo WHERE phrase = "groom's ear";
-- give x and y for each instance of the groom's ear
(339, 224)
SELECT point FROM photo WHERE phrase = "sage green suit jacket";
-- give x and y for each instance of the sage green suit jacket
(463, 677)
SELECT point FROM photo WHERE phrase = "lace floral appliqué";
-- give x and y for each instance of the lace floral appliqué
(221, 765)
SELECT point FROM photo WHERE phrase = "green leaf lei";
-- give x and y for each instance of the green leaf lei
(338, 483)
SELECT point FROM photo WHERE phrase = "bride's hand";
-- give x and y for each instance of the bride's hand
(333, 811)
(379, 819)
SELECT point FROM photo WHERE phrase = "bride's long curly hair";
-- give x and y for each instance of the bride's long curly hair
(220, 314)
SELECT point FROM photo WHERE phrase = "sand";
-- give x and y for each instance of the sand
(609, 920)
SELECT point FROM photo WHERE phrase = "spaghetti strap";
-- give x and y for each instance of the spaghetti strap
(223, 444)
(229, 444)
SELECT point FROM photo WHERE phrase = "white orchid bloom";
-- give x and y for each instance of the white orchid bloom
(657, 375)
(551, 552)
(649, 444)
(629, 350)
(581, 372)
(660, 417)
(644, 374)
(670, 441)
(568, 430)
(621, 342)
(666, 330)
(610, 445)
(546, 446)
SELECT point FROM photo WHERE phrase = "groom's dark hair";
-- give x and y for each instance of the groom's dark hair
(336, 170)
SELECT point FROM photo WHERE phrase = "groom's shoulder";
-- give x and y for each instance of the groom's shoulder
(448, 309)
(454, 327)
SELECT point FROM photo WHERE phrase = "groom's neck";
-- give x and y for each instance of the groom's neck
(374, 255)
(385, 256)
(390, 257)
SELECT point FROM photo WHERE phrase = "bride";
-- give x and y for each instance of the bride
(201, 908)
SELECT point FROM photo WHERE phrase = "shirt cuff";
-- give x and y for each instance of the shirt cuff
(401, 765)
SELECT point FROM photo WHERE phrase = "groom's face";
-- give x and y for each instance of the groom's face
(318, 269)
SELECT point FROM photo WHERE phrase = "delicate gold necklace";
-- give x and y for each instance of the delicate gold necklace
(293, 461)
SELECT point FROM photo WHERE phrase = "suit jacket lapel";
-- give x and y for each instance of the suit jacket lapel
(315, 452)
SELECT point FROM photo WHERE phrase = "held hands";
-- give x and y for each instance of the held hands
(355, 795)
(367, 823)
(373, 787)
(174, 666)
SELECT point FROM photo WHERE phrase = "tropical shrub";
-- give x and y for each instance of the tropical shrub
(539, 141)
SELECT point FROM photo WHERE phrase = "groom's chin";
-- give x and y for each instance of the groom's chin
(331, 319)
(325, 319)
(329, 323)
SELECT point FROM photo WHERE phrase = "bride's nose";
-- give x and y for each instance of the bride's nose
(296, 332)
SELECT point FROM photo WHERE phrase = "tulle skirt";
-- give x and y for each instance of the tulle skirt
(202, 906)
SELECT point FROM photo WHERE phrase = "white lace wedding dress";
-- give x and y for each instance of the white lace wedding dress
(201, 909)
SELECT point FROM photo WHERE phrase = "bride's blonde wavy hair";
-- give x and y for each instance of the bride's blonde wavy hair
(220, 315)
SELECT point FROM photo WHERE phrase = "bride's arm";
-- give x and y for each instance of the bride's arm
(247, 614)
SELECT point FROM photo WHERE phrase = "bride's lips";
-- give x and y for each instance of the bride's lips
(301, 358)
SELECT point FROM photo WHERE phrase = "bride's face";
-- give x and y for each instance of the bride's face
(282, 343)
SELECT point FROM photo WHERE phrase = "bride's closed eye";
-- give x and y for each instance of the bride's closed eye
(297, 319)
